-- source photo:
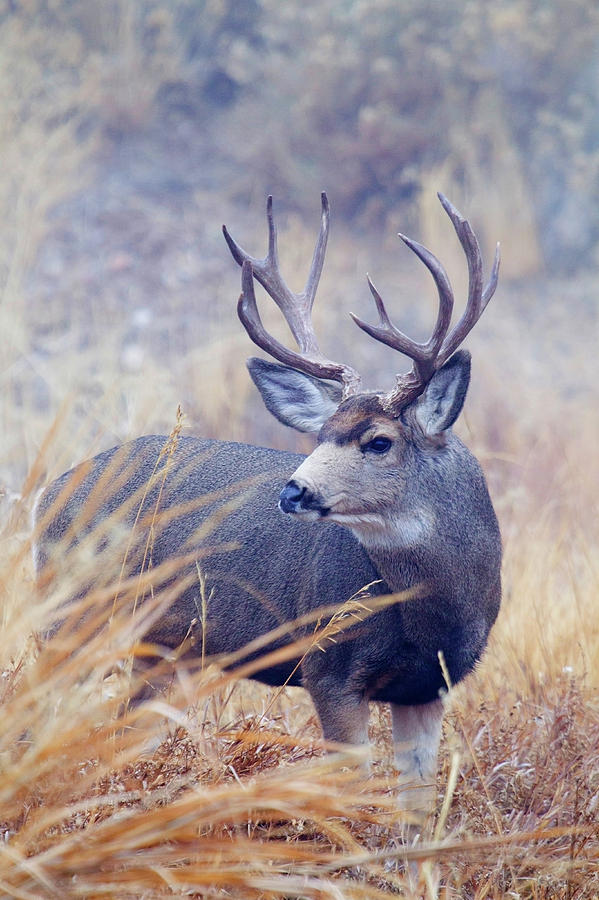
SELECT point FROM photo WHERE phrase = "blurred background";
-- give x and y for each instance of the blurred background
(132, 129)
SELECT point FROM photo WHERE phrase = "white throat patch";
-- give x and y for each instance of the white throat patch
(400, 533)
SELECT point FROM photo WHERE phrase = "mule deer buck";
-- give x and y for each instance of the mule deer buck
(410, 497)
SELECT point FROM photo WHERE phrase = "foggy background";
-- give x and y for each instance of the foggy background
(132, 130)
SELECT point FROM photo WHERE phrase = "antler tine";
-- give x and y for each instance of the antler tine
(477, 296)
(385, 331)
(423, 355)
(296, 308)
(319, 367)
(273, 252)
(247, 310)
(493, 278)
(445, 296)
(309, 291)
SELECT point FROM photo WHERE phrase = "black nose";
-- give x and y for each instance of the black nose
(291, 496)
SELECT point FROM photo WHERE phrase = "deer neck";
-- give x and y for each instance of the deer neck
(399, 553)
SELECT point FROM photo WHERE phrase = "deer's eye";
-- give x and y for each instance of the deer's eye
(378, 445)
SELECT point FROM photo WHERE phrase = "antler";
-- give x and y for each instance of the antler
(296, 308)
(430, 356)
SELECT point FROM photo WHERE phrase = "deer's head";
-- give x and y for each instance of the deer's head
(370, 445)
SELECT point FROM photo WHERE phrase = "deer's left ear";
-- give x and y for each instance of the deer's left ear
(442, 401)
(295, 398)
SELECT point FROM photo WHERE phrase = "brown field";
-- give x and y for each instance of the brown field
(117, 307)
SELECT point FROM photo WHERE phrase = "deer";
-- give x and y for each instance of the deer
(389, 500)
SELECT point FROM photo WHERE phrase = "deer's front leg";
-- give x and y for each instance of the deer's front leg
(416, 736)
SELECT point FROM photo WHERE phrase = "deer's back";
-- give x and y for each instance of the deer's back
(213, 506)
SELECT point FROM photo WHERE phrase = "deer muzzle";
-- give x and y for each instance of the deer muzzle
(298, 499)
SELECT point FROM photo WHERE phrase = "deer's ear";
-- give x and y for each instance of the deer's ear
(442, 401)
(294, 398)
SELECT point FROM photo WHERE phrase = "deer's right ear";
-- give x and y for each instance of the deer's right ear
(440, 404)
(294, 398)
